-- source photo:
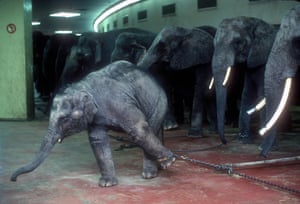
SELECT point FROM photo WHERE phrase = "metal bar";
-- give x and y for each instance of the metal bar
(264, 162)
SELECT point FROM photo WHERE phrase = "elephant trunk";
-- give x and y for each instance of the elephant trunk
(280, 69)
(147, 61)
(45, 149)
(221, 65)
(221, 93)
(280, 108)
(275, 104)
(118, 55)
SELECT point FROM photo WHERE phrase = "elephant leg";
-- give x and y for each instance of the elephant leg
(170, 122)
(100, 144)
(197, 108)
(154, 149)
(149, 167)
(268, 142)
(179, 107)
(197, 115)
(211, 111)
(248, 96)
(144, 133)
(253, 91)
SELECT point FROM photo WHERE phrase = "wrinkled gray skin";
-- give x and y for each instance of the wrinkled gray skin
(283, 62)
(131, 46)
(120, 96)
(177, 49)
(92, 51)
(241, 40)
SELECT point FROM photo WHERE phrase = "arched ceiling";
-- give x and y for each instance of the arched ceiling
(89, 10)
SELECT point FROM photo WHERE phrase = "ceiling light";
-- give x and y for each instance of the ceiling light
(65, 14)
(111, 10)
(34, 23)
(63, 32)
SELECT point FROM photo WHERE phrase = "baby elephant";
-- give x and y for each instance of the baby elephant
(117, 97)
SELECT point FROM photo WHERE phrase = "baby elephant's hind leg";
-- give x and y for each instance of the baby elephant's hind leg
(145, 138)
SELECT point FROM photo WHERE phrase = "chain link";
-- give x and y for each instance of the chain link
(229, 170)
(226, 168)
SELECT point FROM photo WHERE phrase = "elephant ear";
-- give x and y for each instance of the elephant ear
(137, 52)
(195, 48)
(262, 41)
(85, 105)
(98, 52)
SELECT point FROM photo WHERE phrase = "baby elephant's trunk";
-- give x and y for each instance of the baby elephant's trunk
(41, 156)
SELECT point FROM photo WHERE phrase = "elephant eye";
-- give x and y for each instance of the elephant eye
(296, 47)
(161, 47)
(239, 44)
(66, 105)
(127, 49)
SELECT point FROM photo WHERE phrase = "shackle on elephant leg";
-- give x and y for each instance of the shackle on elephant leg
(282, 104)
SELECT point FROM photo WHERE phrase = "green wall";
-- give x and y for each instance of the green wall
(16, 91)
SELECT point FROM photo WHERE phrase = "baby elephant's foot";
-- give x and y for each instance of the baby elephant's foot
(149, 168)
(165, 162)
(107, 181)
(149, 174)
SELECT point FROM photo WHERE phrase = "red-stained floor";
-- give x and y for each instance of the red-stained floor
(70, 174)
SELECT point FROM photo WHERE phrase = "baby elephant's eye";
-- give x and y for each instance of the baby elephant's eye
(66, 105)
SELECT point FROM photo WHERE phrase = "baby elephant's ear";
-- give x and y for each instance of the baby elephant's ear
(90, 107)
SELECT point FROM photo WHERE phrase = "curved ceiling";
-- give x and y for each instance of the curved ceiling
(89, 10)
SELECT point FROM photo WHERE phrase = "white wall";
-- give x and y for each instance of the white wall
(187, 14)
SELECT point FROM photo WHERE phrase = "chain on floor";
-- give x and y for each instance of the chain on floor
(221, 168)
(229, 170)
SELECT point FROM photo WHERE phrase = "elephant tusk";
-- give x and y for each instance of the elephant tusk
(227, 75)
(259, 106)
(211, 83)
(59, 140)
(282, 103)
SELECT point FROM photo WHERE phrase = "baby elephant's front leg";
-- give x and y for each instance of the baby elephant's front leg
(100, 144)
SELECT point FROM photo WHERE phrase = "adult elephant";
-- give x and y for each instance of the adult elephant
(39, 41)
(54, 55)
(179, 51)
(92, 51)
(131, 46)
(281, 67)
(241, 40)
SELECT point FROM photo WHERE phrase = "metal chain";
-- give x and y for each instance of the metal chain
(229, 170)
(223, 168)
(255, 179)
(194, 161)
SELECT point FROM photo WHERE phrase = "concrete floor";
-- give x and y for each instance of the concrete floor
(70, 174)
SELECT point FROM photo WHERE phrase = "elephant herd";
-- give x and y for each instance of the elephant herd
(242, 66)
